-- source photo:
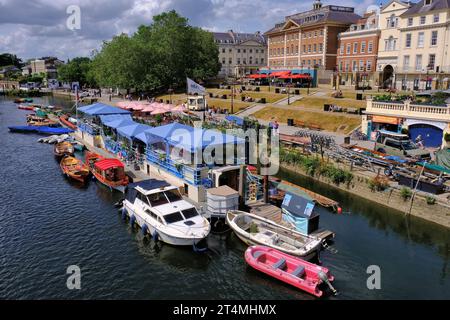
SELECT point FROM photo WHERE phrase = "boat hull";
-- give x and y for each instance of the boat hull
(307, 252)
(162, 236)
(264, 259)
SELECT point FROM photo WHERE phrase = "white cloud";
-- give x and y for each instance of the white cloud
(37, 28)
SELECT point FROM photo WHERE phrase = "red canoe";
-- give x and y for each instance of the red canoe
(65, 121)
(292, 270)
(26, 107)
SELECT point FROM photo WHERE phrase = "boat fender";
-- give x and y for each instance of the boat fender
(132, 220)
(124, 213)
(155, 236)
(144, 230)
(339, 210)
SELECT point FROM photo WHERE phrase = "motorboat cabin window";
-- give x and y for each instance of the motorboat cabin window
(190, 213)
(151, 214)
(143, 198)
(173, 217)
(157, 199)
(173, 195)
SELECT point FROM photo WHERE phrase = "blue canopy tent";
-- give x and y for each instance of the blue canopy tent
(115, 124)
(98, 109)
(299, 211)
(114, 117)
(130, 131)
(198, 139)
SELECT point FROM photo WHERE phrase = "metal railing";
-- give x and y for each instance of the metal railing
(183, 171)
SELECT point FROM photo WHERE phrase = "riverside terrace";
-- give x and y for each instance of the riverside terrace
(173, 151)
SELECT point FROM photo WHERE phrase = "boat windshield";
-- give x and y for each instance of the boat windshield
(409, 145)
(190, 213)
(157, 199)
(173, 217)
(173, 195)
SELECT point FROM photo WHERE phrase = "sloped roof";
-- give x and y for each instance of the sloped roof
(420, 7)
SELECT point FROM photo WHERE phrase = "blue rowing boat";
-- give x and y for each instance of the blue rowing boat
(39, 129)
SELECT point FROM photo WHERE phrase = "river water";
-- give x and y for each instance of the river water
(47, 224)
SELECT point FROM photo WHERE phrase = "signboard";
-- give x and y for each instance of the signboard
(384, 119)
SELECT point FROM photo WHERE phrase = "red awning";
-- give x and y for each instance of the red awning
(295, 76)
(108, 164)
(280, 73)
(257, 76)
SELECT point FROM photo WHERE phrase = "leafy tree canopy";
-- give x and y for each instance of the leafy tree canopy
(77, 69)
(8, 59)
(157, 56)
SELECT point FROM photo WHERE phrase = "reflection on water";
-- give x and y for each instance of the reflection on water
(48, 223)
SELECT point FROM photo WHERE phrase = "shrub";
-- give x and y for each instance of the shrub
(431, 200)
(447, 137)
(378, 183)
(405, 193)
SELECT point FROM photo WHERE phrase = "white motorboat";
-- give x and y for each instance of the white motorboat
(160, 210)
(255, 230)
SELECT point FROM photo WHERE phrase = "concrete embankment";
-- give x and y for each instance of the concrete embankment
(438, 213)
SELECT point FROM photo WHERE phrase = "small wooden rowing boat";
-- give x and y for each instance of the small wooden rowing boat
(297, 272)
(62, 149)
(109, 171)
(74, 169)
(34, 120)
(255, 230)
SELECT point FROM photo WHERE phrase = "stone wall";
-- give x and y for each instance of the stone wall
(438, 213)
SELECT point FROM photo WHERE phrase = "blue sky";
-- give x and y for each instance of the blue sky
(34, 28)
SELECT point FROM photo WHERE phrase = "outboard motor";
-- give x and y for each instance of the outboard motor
(324, 278)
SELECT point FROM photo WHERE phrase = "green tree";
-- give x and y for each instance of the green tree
(157, 56)
(8, 59)
(78, 69)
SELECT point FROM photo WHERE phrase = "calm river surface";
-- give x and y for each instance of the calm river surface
(48, 224)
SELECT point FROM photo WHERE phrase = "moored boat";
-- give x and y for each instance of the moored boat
(62, 149)
(160, 210)
(26, 107)
(297, 272)
(74, 169)
(64, 119)
(109, 171)
(34, 120)
(255, 230)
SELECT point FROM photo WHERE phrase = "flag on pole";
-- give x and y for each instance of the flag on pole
(194, 87)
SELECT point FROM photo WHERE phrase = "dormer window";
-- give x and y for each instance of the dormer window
(428, 2)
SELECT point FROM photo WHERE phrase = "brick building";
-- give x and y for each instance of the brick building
(309, 39)
(357, 53)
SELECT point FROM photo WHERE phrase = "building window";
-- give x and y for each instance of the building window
(223, 61)
(296, 49)
(287, 50)
(408, 40)
(423, 19)
(355, 47)
(319, 62)
(251, 50)
(315, 47)
(309, 48)
(436, 18)
(431, 61)
(434, 36)
(355, 66)
(420, 40)
(370, 47)
(223, 50)
(303, 62)
(238, 61)
(369, 65)
(392, 21)
(239, 50)
(340, 65)
(347, 66)
(309, 62)
(341, 51)
(314, 62)
(410, 22)
(245, 50)
(418, 62)
(315, 34)
(262, 60)
(282, 50)
(304, 48)
(230, 61)
(405, 63)
(348, 48)
(361, 65)
(320, 47)
(390, 44)
(363, 47)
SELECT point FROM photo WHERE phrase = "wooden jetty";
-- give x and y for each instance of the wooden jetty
(271, 212)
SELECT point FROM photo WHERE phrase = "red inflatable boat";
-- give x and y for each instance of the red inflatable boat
(297, 272)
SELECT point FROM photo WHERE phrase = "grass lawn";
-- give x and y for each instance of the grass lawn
(270, 96)
(328, 122)
(226, 104)
(319, 101)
